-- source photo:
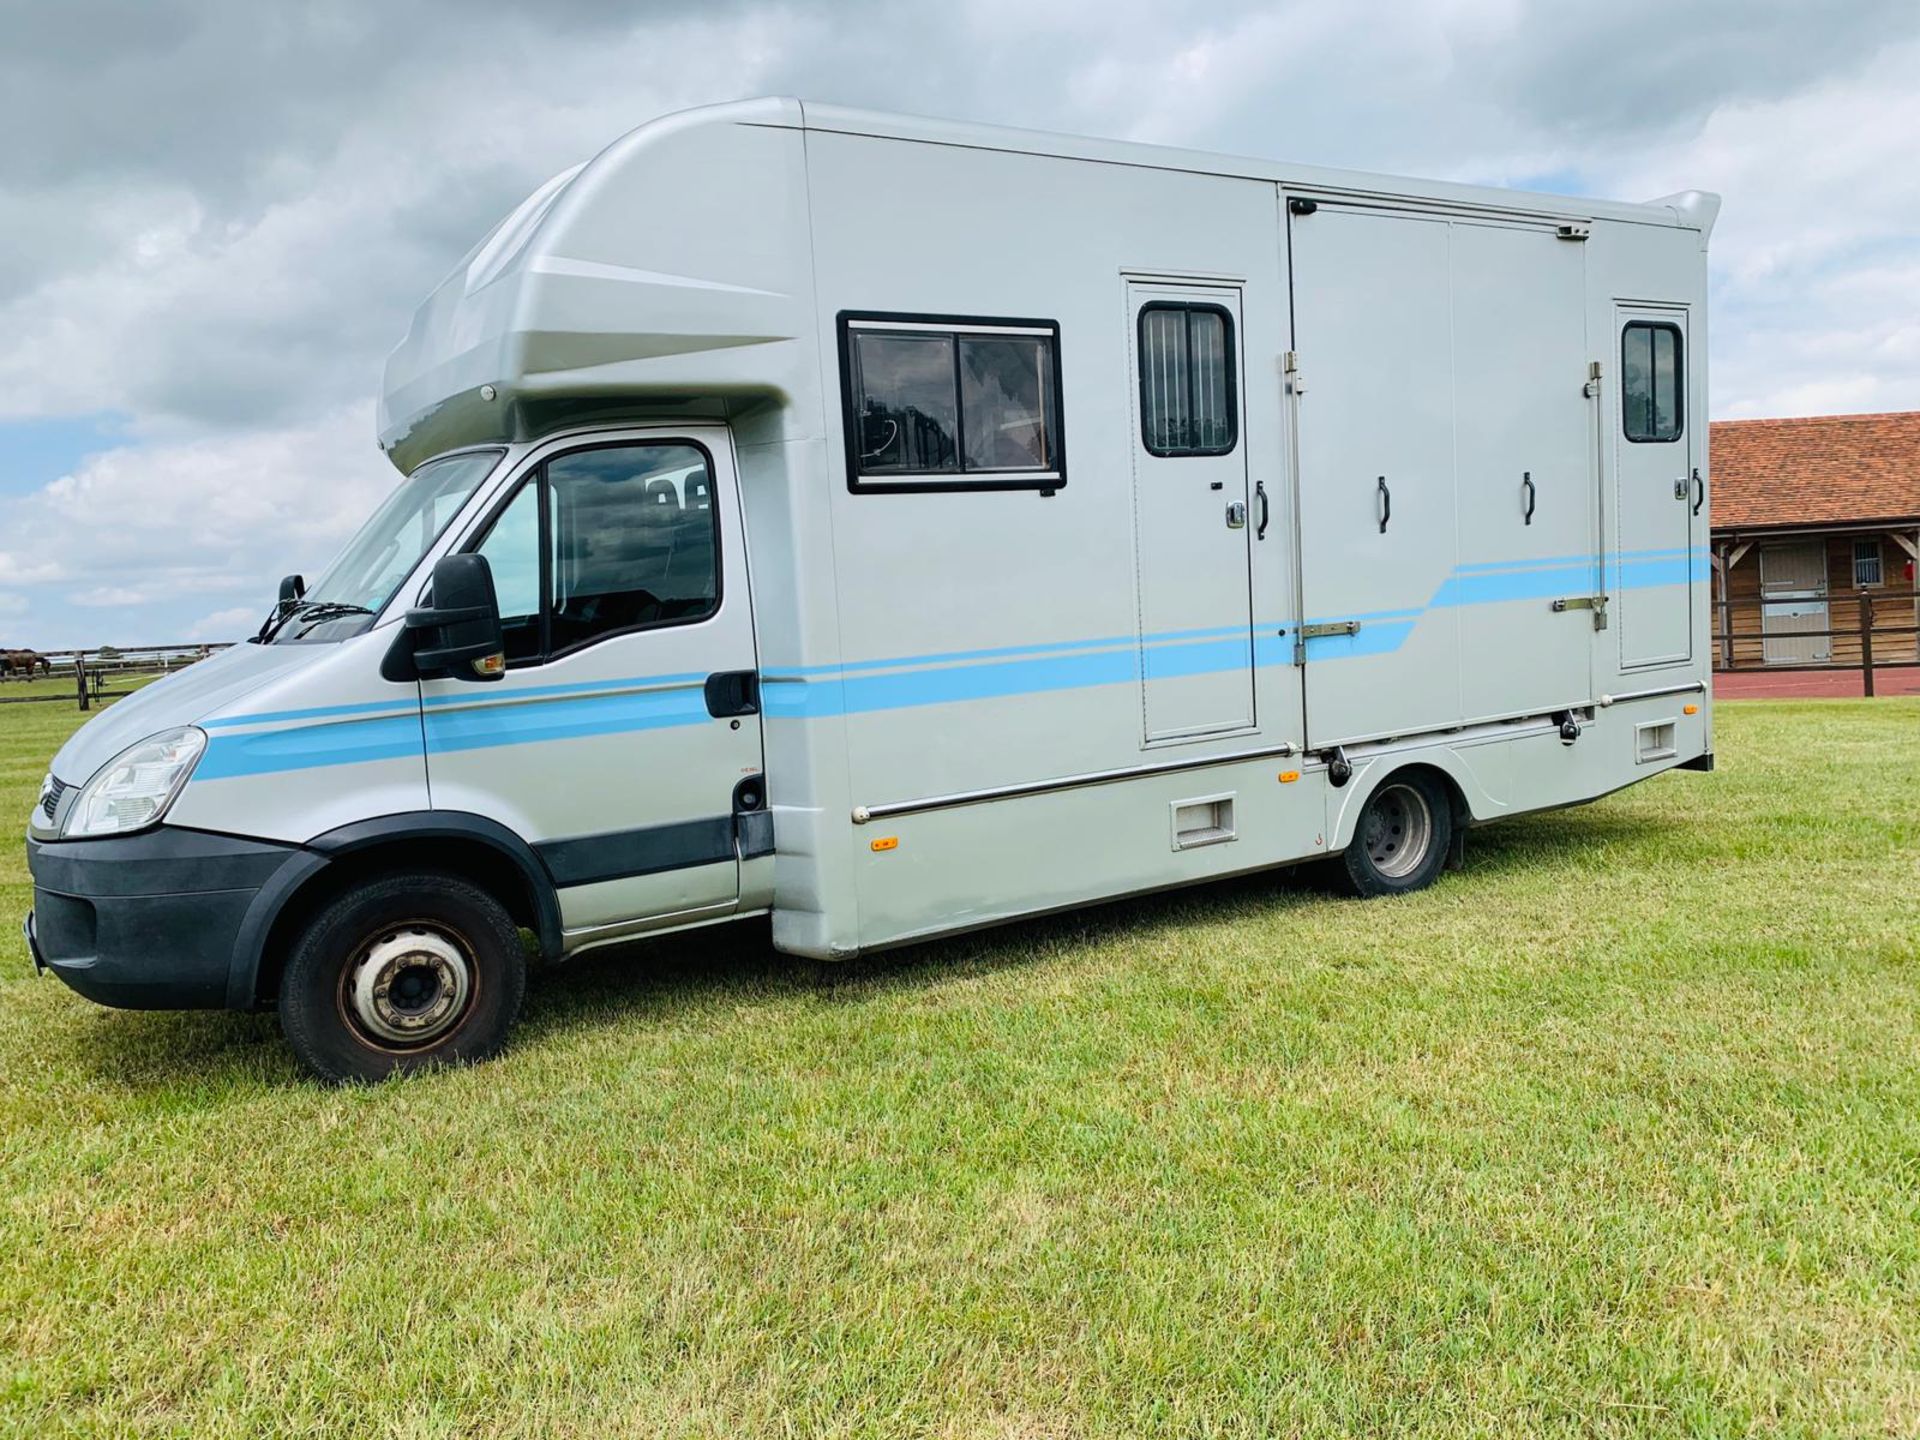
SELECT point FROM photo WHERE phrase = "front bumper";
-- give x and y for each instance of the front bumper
(148, 921)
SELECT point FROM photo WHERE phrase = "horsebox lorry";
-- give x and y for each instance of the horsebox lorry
(897, 527)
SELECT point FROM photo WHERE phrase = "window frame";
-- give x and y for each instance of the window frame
(1231, 350)
(927, 482)
(1879, 558)
(536, 475)
(1680, 382)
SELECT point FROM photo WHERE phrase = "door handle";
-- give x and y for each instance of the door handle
(1236, 514)
(733, 692)
(1266, 511)
(1526, 483)
(1699, 490)
(1386, 504)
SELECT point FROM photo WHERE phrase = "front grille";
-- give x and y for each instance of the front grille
(50, 796)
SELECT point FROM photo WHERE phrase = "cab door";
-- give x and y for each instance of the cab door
(624, 742)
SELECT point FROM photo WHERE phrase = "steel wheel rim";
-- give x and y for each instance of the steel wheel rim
(408, 986)
(1399, 831)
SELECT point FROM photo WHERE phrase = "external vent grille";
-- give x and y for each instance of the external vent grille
(50, 796)
(1205, 821)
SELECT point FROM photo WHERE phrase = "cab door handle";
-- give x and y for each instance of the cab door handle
(1386, 504)
(1526, 483)
(1699, 490)
(1260, 494)
(733, 692)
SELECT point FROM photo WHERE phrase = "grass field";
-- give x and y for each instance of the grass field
(1617, 1132)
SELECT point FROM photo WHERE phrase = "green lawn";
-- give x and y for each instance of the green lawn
(1617, 1132)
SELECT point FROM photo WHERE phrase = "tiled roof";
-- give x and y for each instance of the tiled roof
(1828, 469)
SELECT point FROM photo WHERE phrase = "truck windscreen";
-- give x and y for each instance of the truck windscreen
(358, 585)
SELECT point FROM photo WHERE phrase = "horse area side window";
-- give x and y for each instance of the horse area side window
(1653, 382)
(950, 403)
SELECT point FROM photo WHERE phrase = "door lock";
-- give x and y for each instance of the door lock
(1236, 515)
(1680, 488)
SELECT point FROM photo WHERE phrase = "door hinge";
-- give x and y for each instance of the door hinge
(1575, 230)
(1594, 376)
(1291, 373)
(1596, 603)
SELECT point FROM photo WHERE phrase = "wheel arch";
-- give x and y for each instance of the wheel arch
(1370, 776)
(472, 846)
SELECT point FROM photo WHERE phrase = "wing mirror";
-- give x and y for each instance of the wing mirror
(456, 635)
(293, 589)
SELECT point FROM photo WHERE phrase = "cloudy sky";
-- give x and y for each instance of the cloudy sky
(218, 214)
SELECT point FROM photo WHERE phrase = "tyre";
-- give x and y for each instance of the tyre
(1401, 842)
(402, 973)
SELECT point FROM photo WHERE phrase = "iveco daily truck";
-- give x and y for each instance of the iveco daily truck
(896, 527)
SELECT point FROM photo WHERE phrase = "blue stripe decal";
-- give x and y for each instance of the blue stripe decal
(561, 718)
(593, 708)
(583, 687)
(304, 747)
(321, 712)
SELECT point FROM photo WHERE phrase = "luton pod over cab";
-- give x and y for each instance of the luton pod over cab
(896, 527)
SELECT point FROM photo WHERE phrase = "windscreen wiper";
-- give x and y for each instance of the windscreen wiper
(311, 611)
(315, 612)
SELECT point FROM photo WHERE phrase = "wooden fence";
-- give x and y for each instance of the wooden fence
(1864, 630)
(95, 677)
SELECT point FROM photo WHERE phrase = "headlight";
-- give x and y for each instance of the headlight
(134, 789)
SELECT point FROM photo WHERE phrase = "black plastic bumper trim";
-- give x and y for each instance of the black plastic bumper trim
(148, 921)
(33, 945)
(623, 854)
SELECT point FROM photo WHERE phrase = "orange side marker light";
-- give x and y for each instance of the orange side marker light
(886, 842)
(1691, 709)
(1287, 777)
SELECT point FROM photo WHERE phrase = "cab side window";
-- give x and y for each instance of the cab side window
(512, 549)
(631, 543)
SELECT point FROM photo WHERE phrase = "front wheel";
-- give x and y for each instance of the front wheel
(403, 973)
(1401, 842)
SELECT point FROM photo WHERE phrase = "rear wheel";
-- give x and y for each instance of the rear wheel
(403, 973)
(1401, 842)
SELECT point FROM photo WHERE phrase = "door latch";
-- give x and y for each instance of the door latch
(733, 693)
(1315, 632)
(1236, 514)
(1596, 603)
(1680, 488)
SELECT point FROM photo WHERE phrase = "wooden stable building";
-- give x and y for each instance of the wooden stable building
(1813, 520)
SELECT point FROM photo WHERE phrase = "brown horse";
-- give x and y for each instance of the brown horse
(24, 663)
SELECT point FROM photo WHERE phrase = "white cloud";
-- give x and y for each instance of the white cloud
(234, 624)
(146, 525)
(222, 248)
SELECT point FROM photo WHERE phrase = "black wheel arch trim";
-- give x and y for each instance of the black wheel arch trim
(325, 850)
